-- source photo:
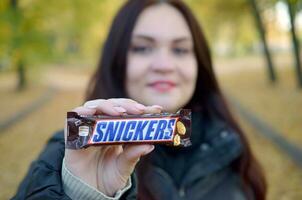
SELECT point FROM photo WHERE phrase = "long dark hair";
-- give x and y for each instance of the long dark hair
(109, 82)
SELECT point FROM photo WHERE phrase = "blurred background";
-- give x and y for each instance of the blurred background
(48, 50)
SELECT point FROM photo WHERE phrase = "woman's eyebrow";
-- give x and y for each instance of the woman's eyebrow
(182, 39)
(152, 39)
(144, 37)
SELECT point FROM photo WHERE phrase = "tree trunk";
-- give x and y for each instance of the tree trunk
(21, 75)
(261, 30)
(295, 42)
(14, 4)
(20, 67)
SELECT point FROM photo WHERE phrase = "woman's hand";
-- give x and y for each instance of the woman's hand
(108, 168)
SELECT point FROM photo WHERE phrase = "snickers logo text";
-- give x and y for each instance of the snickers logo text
(134, 130)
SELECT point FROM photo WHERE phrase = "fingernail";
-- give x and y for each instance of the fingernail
(140, 106)
(90, 106)
(158, 107)
(119, 109)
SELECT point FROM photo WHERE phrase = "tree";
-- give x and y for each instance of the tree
(22, 39)
(292, 10)
(33, 32)
(227, 23)
(16, 15)
(262, 33)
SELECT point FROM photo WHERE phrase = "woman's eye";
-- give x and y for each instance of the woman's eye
(181, 51)
(141, 49)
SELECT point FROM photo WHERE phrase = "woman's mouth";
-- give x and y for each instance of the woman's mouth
(162, 86)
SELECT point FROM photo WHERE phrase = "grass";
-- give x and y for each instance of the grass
(277, 105)
(23, 142)
(284, 178)
(13, 101)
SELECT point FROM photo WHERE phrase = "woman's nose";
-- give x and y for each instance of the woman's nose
(163, 62)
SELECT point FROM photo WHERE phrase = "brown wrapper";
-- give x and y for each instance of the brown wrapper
(165, 128)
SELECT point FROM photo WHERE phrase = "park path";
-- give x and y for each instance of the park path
(70, 85)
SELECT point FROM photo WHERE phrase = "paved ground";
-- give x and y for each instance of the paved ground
(22, 142)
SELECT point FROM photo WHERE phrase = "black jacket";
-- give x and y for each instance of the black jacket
(202, 171)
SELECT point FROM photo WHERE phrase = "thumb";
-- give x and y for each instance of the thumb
(131, 154)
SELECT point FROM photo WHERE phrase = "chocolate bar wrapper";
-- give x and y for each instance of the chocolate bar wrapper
(165, 128)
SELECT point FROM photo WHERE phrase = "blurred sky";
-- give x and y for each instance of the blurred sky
(283, 18)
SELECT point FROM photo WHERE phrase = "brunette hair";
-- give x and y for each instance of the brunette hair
(109, 82)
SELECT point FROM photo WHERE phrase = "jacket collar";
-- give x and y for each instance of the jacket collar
(214, 146)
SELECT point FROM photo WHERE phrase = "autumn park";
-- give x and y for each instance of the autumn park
(50, 49)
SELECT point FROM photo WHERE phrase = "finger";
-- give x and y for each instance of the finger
(84, 111)
(81, 157)
(111, 153)
(131, 154)
(155, 109)
(131, 106)
(105, 107)
(93, 103)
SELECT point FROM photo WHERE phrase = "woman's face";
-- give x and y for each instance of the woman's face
(161, 66)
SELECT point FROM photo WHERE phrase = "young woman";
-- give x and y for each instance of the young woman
(155, 59)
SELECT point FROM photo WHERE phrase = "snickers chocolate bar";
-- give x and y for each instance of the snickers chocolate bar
(165, 128)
